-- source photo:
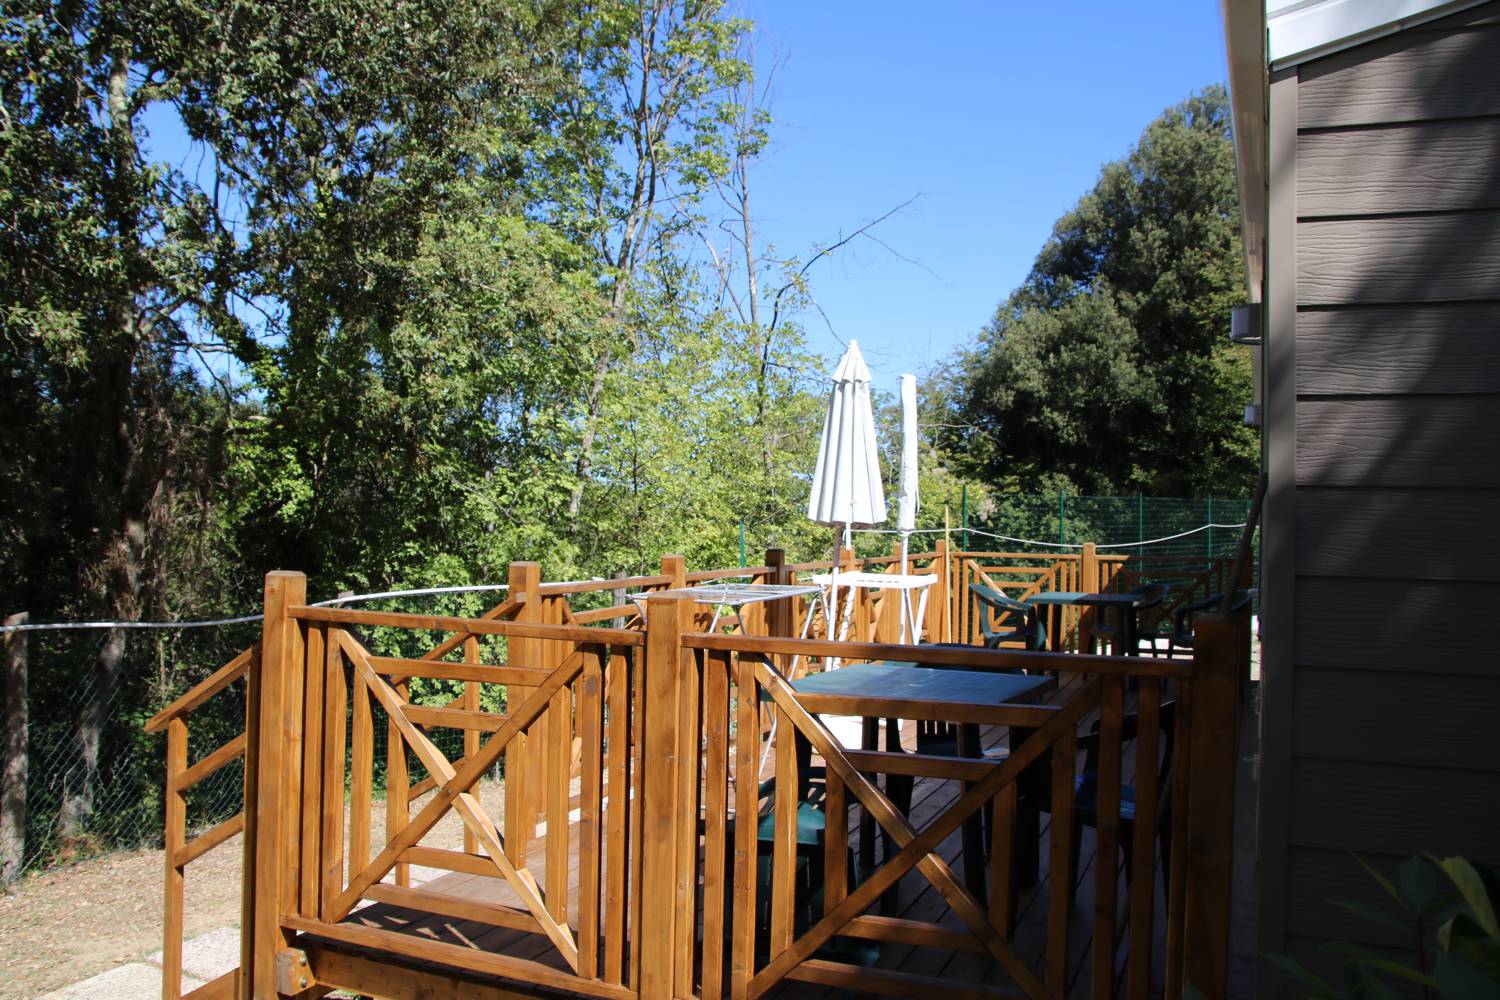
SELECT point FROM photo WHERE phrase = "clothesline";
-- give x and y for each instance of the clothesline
(1050, 545)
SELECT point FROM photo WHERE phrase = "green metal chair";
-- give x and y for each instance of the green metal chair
(1147, 597)
(996, 607)
(1182, 624)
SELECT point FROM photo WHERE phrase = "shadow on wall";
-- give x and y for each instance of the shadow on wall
(1394, 746)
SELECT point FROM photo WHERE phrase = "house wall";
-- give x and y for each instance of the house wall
(1381, 721)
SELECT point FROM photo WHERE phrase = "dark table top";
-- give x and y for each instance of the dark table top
(880, 689)
(1089, 600)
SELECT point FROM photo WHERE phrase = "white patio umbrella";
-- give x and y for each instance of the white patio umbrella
(906, 504)
(846, 488)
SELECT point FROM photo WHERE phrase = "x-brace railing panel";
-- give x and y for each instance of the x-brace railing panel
(455, 791)
(918, 849)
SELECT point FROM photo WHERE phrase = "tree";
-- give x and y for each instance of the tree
(645, 133)
(1110, 365)
(101, 262)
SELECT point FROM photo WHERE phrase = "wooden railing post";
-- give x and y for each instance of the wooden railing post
(522, 779)
(1213, 747)
(1089, 583)
(676, 568)
(781, 616)
(173, 843)
(938, 614)
(667, 618)
(888, 616)
(278, 791)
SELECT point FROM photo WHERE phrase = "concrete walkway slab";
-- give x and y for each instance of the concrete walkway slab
(136, 981)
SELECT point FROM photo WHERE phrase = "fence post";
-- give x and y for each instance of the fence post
(667, 618)
(676, 568)
(963, 516)
(937, 598)
(1213, 747)
(781, 616)
(173, 842)
(13, 776)
(522, 783)
(1210, 529)
(278, 793)
(1088, 572)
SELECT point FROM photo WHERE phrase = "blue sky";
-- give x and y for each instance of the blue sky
(996, 115)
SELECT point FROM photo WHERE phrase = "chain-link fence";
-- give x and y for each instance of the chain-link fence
(95, 777)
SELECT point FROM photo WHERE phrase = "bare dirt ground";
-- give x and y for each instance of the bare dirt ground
(67, 924)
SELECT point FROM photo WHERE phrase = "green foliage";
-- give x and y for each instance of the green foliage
(1447, 907)
(1109, 366)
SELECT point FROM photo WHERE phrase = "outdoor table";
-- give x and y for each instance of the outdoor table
(911, 620)
(1124, 606)
(737, 595)
(970, 698)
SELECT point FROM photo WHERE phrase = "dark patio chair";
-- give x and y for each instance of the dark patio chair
(1030, 631)
(1148, 597)
(807, 895)
(1182, 618)
(1086, 792)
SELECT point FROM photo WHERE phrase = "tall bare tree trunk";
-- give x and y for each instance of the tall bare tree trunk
(120, 506)
(13, 767)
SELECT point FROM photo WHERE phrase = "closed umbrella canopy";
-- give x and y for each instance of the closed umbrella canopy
(846, 487)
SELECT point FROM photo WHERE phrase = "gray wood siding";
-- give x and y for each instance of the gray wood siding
(1399, 441)
(1425, 258)
(1416, 167)
(1400, 350)
(1333, 875)
(1383, 717)
(1351, 806)
(1395, 660)
(1417, 627)
(1399, 534)
(1420, 74)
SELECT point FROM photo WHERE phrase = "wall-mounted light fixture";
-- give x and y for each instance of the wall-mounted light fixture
(1244, 324)
(1244, 328)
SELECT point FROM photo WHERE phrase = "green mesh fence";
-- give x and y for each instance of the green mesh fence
(1164, 539)
(1160, 527)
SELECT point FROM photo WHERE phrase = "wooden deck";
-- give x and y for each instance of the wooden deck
(465, 898)
(644, 727)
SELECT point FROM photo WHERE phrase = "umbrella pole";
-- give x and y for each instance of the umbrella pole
(906, 612)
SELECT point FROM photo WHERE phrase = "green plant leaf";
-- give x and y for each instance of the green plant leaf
(1315, 985)
(1404, 971)
(1380, 880)
(1376, 987)
(1463, 937)
(1476, 892)
(1457, 979)
(1372, 914)
(1418, 882)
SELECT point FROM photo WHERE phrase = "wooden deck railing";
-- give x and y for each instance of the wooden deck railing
(178, 850)
(626, 744)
